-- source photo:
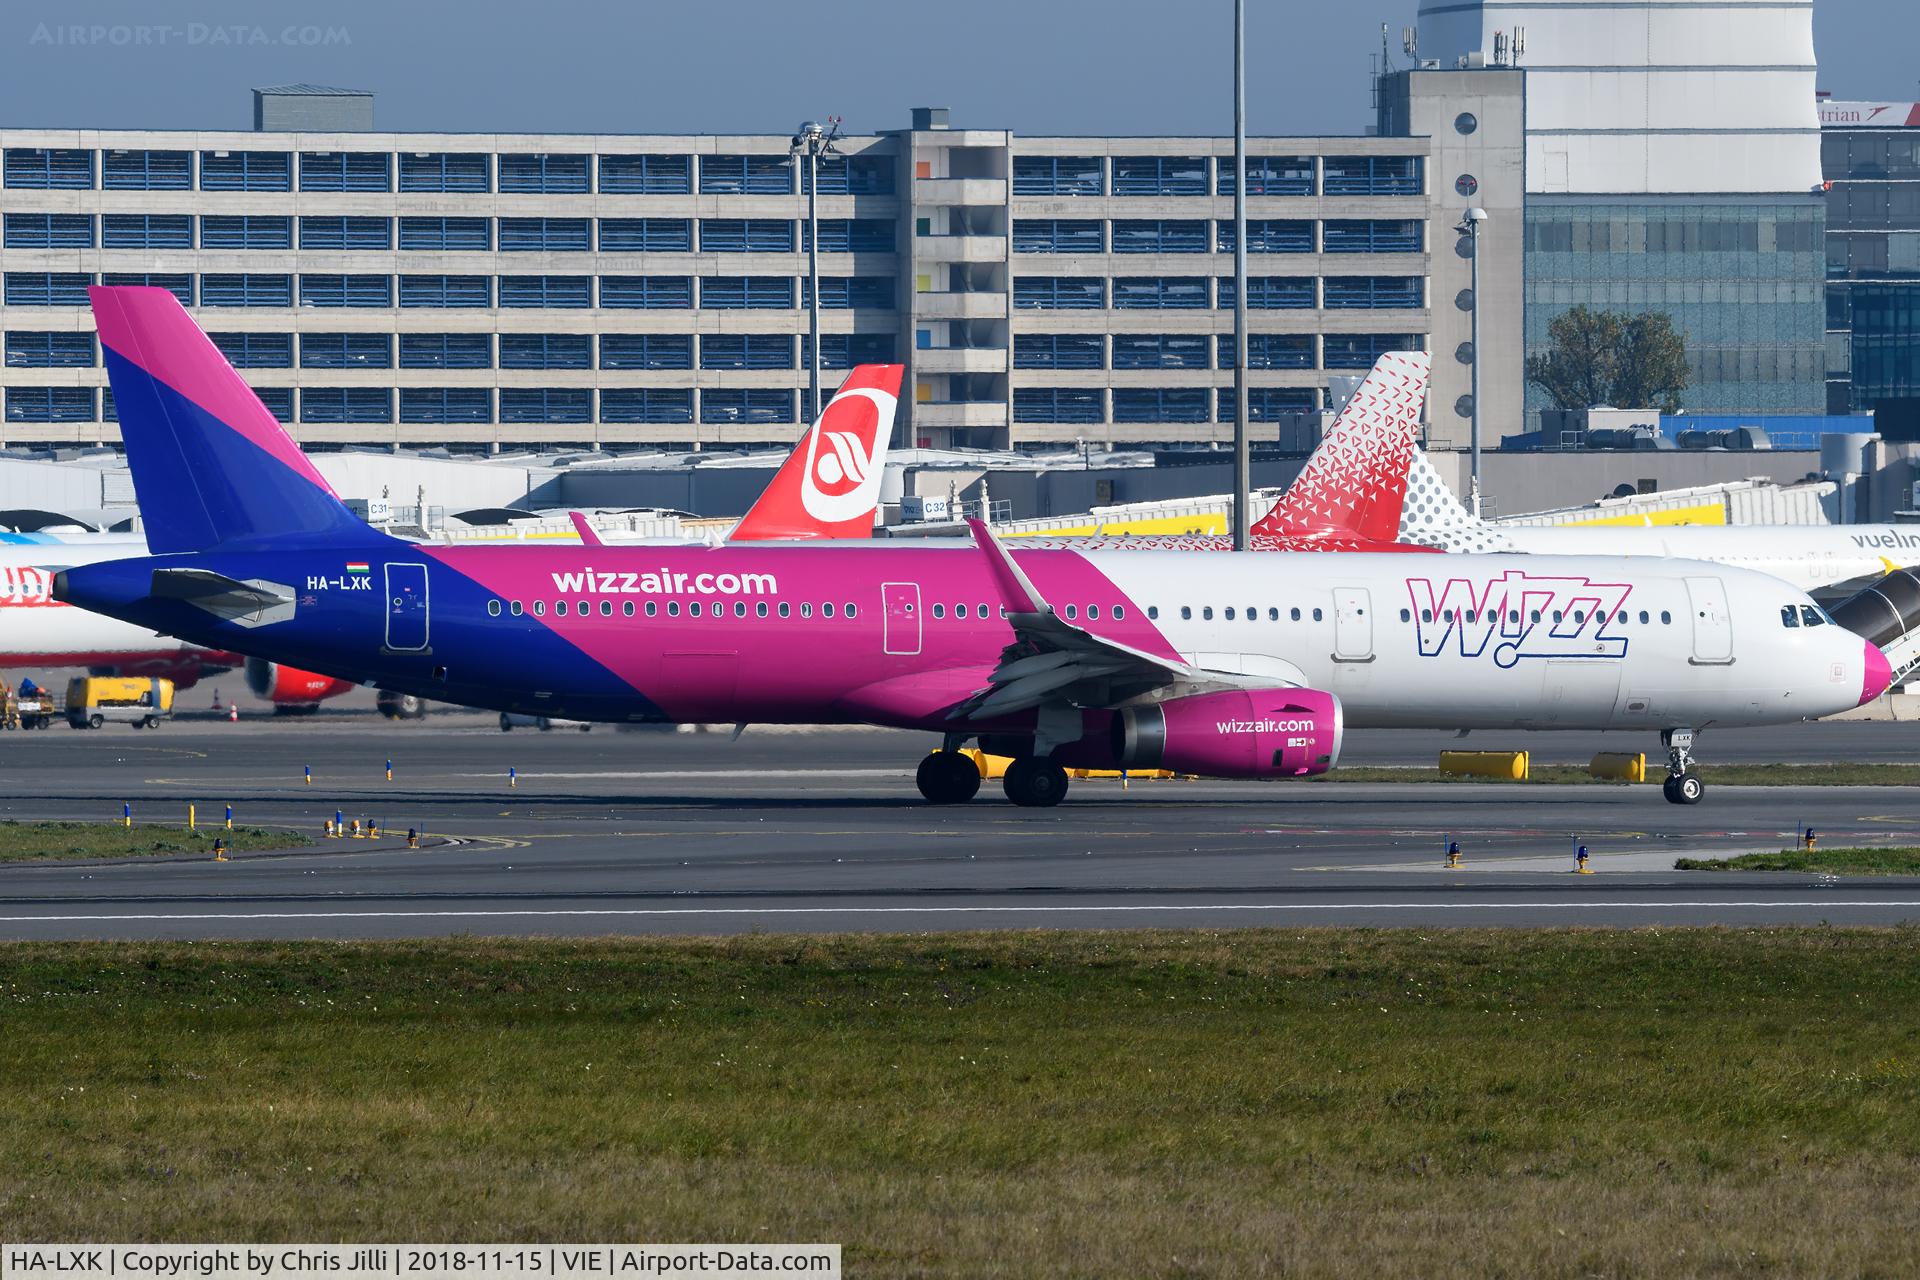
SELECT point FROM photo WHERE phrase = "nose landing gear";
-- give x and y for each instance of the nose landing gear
(1683, 785)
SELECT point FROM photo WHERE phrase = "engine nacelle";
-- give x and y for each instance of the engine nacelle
(1237, 733)
(289, 686)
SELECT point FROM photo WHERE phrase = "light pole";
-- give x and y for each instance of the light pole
(1469, 227)
(813, 141)
(1242, 469)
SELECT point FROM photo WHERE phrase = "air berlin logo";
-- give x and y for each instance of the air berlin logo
(840, 482)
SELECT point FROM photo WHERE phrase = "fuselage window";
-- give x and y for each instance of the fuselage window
(1273, 615)
(1622, 619)
(513, 607)
(806, 610)
(760, 609)
(852, 612)
(585, 608)
(939, 611)
(539, 608)
(493, 608)
(1534, 616)
(1229, 613)
(1316, 615)
(606, 608)
(560, 608)
(693, 608)
(626, 607)
(652, 608)
(739, 608)
(826, 611)
(1557, 615)
(1469, 615)
(1093, 613)
(1446, 615)
(1073, 611)
(1206, 612)
(1666, 619)
(1119, 612)
(1644, 618)
(1186, 612)
(1580, 616)
(1296, 614)
(1406, 615)
(786, 610)
(1513, 615)
(1789, 616)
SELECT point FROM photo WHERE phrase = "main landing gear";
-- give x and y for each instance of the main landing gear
(950, 777)
(1035, 783)
(1683, 785)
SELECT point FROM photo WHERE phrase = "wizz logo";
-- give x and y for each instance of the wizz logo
(1519, 615)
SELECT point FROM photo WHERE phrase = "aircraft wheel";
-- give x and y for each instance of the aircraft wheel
(1035, 783)
(1687, 788)
(948, 777)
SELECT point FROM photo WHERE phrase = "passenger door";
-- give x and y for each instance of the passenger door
(407, 608)
(1712, 623)
(1352, 625)
(900, 614)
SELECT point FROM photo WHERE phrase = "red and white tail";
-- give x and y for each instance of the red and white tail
(829, 486)
(1356, 479)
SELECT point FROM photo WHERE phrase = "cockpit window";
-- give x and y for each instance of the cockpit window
(1813, 616)
(1790, 616)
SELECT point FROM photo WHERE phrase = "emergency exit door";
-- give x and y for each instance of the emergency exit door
(900, 617)
(1352, 625)
(407, 607)
(1712, 623)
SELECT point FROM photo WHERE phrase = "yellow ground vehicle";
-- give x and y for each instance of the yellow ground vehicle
(94, 700)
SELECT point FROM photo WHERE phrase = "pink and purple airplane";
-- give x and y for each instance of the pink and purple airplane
(1221, 664)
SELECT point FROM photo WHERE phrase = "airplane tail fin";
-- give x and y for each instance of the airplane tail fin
(1433, 517)
(829, 485)
(1355, 480)
(211, 466)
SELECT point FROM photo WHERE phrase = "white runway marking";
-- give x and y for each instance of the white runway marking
(540, 913)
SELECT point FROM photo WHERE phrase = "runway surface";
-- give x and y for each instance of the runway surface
(655, 832)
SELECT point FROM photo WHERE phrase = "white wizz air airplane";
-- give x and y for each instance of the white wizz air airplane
(1830, 560)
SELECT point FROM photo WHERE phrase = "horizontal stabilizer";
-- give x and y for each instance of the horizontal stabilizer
(252, 603)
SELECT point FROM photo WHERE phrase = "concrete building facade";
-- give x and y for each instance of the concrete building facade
(1870, 152)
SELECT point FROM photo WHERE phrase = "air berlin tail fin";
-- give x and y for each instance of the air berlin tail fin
(829, 485)
(1356, 479)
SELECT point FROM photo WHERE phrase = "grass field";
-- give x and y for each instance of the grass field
(1726, 775)
(34, 841)
(1340, 1103)
(1846, 862)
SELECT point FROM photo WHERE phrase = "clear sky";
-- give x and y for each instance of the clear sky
(707, 66)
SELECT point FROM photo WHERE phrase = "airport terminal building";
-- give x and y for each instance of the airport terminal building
(478, 291)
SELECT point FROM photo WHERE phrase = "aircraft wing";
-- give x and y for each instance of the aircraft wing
(1054, 662)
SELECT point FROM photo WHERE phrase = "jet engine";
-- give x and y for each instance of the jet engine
(290, 689)
(1237, 733)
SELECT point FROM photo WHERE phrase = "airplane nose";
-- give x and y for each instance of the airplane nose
(1879, 673)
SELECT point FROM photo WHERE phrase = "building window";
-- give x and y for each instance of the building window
(146, 170)
(646, 235)
(146, 231)
(1160, 235)
(1372, 175)
(1058, 235)
(444, 171)
(646, 351)
(1271, 351)
(1268, 404)
(1159, 292)
(346, 171)
(1269, 176)
(1373, 235)
(346, 404)
(446, 404)
(546, 291)
(50, 404)
(255, 350)
(346, 351)
(47, 288)
(246, 289)
(50, 168)
(548, 175)
(1360, 350)
(278, 401)
(1160, 404)
(246, 171)
(1269, 235)
(746, 175)
(1059, 293)
(177, 283)
(746, 351)
(40, 349)
(853, 176)
(546, 351)
(1059, 351)
(546, 404)
(246, 231)
(845, 350)
(446, 350)
(647, 293)
(646, 404)
(646, 175)
(750, 404)
(1160, 351)
(1271, 293)
(746, 235)
(332, 290)
(446, 291)
(1371, 292)
(347, 233)
(1059, 404)
(1058, 176)
(736, 293)
(1159, 175)
(451, 234)
(546, 235)
(842, 293)
(49, 231)
(850, 235)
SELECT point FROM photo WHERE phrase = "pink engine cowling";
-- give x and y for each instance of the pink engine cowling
(1238, 733)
